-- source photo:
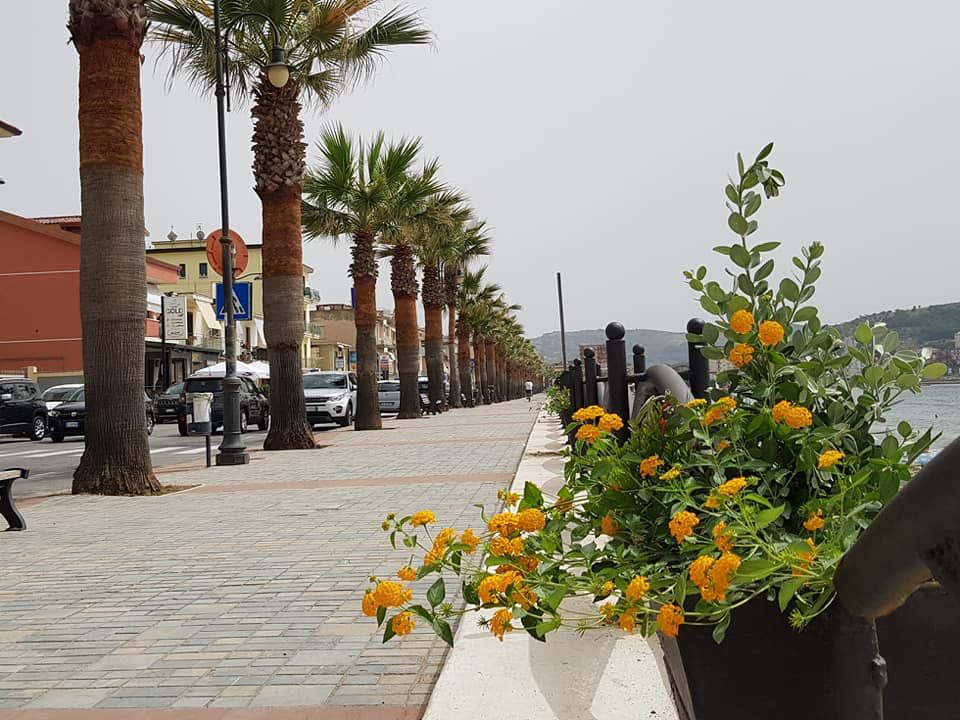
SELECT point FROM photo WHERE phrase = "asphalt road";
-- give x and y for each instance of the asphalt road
(52, 464)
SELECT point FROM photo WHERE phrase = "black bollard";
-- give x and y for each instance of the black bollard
(618, 399)
(590, 396)
(699, 366)
(576, 378)
(639, 360)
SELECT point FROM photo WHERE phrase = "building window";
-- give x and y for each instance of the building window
(189, 322)
(203, 270)
(183, 270)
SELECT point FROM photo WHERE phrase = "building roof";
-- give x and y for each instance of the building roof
(8, 130)
(67, 222)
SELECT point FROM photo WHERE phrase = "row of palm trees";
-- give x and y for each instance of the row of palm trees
(367, 192)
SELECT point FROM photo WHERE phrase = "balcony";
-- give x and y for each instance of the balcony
(315, 331)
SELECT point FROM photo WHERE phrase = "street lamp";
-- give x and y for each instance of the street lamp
(232, 450)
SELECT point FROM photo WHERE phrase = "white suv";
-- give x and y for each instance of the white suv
(331, 396)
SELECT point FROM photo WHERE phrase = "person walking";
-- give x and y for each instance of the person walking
(528, 386)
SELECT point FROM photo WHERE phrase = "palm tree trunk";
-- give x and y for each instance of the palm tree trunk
(116, 457)
(502, 376)
(403, 282)
(283, 320)
(363, 269)
(433, 302)
(463, 360)
(480, 370)
(452, 355)
(490, 355)
(278, 164)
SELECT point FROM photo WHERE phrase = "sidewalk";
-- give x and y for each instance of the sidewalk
(242, 594)
(603, 675)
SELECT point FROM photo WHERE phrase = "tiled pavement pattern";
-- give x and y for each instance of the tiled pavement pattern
(225, 597)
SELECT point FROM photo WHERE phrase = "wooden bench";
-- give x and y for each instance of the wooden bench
(7, 507)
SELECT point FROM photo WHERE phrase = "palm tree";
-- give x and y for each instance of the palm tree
(329, 45)
(400, 247)
(436, 247)
(473, 294)
(108, 37)
(364, 192)
(471, 242)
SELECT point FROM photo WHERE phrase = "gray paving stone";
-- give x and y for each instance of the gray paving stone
(292, 695)
(69, 698)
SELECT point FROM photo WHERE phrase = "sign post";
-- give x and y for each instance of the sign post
(173, 326)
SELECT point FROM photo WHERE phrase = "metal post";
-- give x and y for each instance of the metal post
(563, 331)
(590, 396)
(576, 381)
(163, 343)
(699, 366)
(639, 360)
(232, 450)
(617, 398)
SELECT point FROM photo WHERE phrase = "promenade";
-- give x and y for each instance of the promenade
(243, 593)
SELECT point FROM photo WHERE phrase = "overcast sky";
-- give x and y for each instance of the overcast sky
(595, 138)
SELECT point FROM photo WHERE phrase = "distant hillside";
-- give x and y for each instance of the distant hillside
(660, 346)
(933, 325)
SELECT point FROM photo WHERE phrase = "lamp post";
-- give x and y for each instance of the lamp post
(232, 450)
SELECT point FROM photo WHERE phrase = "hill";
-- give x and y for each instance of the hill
(933, 325)
(661, 346)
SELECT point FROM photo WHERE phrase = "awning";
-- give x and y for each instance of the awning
(209, 317)
(261, 340)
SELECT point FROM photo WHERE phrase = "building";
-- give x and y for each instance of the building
(40, 279)
(335, 346)
(198, 282)
(387, 344)
(600, 350)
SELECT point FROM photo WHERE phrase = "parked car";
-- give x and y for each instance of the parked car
(254, 403)
(167, 403)
(58, 393)
(69, 417)
(22, 412)
(388, 395)
(331, 396)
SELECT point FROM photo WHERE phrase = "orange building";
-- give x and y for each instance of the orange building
(40, 294)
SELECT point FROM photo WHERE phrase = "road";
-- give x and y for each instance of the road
(52, 464)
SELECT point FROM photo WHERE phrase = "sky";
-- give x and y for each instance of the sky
(595, 138)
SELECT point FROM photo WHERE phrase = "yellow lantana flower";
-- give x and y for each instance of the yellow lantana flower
(588, 433)
(741, 322)
(771, 333)
(815, 521)
(391, 594)
(798, 417)
(671, 474)
(469, 539)
(531, 520)
(423, 517)
(628, 620)
(829, 458)
(370, 604)
(608, 525)
(500, 623)
(650, 465)
(610, 422)
(732, 487)
(682, 524)
(695, 403)
(740, 355)
(407, 573)
(637, 588)
(403, 623)
(505, 523)
(670, 618)
(780, 410)
(590, 412)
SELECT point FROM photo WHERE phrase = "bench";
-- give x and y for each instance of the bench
(7, 507)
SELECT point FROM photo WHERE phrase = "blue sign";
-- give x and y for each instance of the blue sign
(242, 301)
(353, 357)
(353, 298)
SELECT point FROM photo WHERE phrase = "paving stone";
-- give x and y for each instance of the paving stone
(69, 698)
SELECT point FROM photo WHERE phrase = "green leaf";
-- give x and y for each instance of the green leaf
(381, 614)
(933, 371)
(767, 149)
(740, 256)
(470, 594)
(732, 195)
(722, 249)
(765, 247)
(436, 593)
(746, 287)
(393, 539)
(715, 291)
(766, 517)
(709, 305)
(873, 374)
(751, 570)
(711, 333)
(388, 631)
(532, 497)
(891, 340)
(752, 206)
(737, 223)
(864, 334)
(442, 628)
(711, 353)
(811, 276)
(548, 626)
(805, 314)
(787, 591)
(908, 381)
(764, 270)
(720, 629)
(530, 622)
(888, 486)
(904, 429)
(789, 290)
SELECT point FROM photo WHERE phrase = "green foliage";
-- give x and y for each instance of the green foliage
(558, 399)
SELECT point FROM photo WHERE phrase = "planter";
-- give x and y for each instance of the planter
(764, 669)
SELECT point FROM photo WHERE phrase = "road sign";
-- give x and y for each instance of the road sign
(242, 301)
(215, 252)
(175, 317)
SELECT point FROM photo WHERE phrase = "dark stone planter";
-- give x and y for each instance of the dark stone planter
(764, 669)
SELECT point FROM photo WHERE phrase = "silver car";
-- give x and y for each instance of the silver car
(388, 395)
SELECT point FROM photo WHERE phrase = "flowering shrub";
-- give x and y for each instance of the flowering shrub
(558, 399)
(755, 491)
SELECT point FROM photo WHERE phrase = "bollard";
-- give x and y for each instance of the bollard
(639, 360)
(618, 400)
(590, 396)
(576, 390)
(699, 367)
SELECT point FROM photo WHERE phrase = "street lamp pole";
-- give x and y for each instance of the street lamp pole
(232, 450)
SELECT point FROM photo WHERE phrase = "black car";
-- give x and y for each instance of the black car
(167, 403)
(254, 404)
(22, 412)
(69, 417)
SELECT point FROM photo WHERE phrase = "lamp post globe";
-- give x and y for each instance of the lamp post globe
(277, 71)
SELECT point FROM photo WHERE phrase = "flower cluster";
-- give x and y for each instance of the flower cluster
(590, 431)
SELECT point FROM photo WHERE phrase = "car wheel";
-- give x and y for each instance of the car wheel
(151, 423)
(347, 419)
(243, 421)
(264, 422)
(182, 427)
(56, 437)
(39, 428)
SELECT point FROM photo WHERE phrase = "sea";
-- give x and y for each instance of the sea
(936, 406)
